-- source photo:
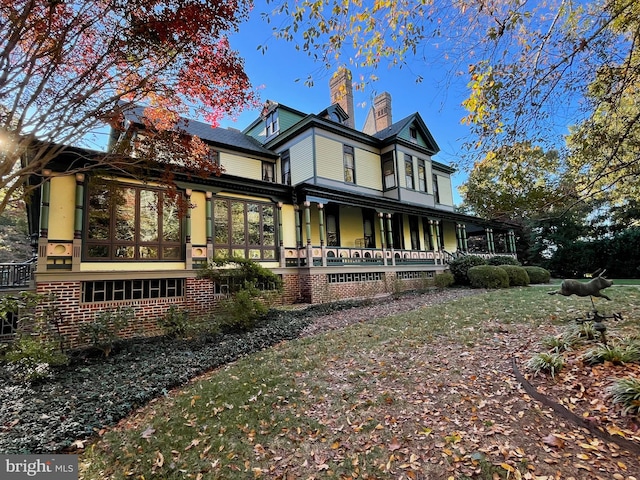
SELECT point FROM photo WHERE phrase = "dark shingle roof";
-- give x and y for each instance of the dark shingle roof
(221, 137)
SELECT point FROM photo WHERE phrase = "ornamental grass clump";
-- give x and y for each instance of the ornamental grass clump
(616, 353)
(626, 391)
(550, 363)
(560, 343)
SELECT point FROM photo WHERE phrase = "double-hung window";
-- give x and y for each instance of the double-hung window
(408, 171)
(349, 164)
(422, 175)
(131, 222)
(272, 124)
(388, 170)
(436, 191)
(285, 165)
(268, 172)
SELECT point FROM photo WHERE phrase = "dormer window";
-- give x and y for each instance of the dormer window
(272, 124)
(413, 134)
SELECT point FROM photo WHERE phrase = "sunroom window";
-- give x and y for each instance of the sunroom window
(131, 222)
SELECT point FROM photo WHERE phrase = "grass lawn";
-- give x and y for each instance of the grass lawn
(429, 394)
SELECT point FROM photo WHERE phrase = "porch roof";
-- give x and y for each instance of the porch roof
(316, 193)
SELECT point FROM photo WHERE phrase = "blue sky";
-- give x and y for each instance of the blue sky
(437, 98)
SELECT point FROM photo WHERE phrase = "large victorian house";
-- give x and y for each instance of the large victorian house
(337, 212)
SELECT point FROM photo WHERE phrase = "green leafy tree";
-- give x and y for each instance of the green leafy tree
(533, 69)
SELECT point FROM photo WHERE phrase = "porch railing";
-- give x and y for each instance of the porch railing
(344, 256)
(16, 275)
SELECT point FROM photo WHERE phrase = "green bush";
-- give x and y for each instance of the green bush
(503, 260)
(538, 274)
(30, 358)
(550, 363)
(103, 332)
(518, 276)
(461, 265)
(175, 322)
(444, 280)
(241, 310)
(488, 276)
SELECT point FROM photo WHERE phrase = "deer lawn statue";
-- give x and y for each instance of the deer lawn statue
(592, 288)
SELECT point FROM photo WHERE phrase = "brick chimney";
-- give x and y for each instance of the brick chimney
(341, 89)
(379, 117)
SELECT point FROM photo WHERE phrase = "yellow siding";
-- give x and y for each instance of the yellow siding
(62, 206)
(350, 226)
(449, 233)
(130, 267)
(198, 218)
(301, 155)
(368, 169)
(288, 225)
(444, 187)
(406, 232)
(329, 159)
(241, 166)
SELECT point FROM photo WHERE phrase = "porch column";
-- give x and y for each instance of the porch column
(322, 233)
(432, 239)
(209, 223)
(321, 221)
(283, 260)
(465, 243)
(44, 221)
(77, 224)
(307, 221)
(390, 239)
(459, 236)
(511, 241)
(187, 235)
(298, 226)
(383, 240)
(438, 243)
(492, 244)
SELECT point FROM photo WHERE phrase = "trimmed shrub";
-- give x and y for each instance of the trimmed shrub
(461, 265)
(538, 274)
(518, 276)
(444, 280)
(488, 276)
(503, 260)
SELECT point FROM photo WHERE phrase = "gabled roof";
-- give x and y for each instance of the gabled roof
(334, 110)
(391, 133)
(220, 137)
(271, 105)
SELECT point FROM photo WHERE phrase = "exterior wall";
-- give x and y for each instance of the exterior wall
(368, 169)
(241, 166)
(198, 219)
(329, 158)
(301, 155)
(449, 233)
(288, 225)
(62, 207)
(350, 226)
(445, 189)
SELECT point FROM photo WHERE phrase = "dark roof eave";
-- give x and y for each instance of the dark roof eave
(387, 204)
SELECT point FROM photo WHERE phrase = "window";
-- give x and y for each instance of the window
(414, 232)
(349, 165)
(244, 229)
(413, 134)
(285, 164)
(272, 123)
(268, 174)
(128, 222)
(427, 228)
(408, 170)
(388, 170)
(114, 290)
(368, 219)
(436, 191)
(422, 175)
(333, 231)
